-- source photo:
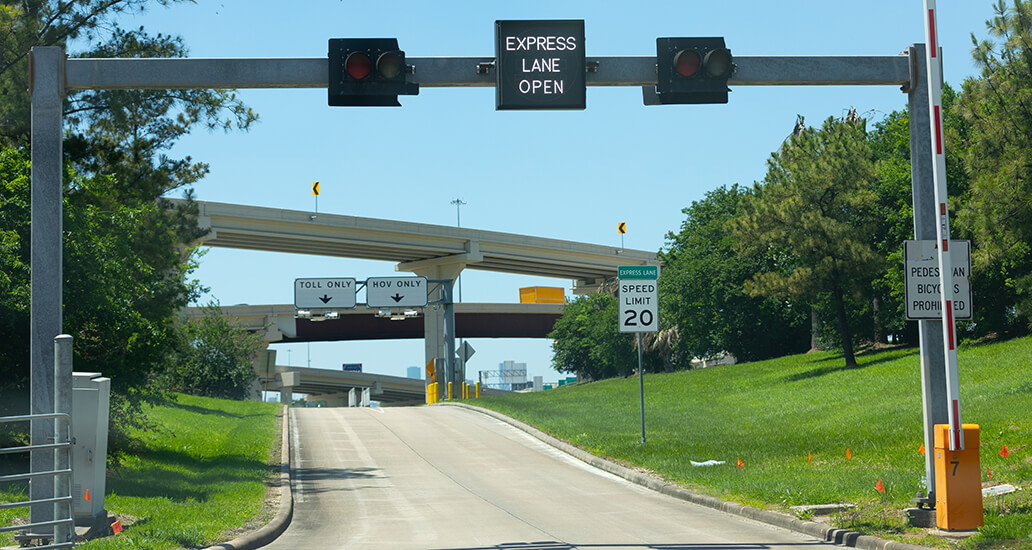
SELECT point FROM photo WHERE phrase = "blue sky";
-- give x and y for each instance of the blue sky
(568, 175)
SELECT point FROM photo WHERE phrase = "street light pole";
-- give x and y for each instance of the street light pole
(458, 280)
(458, 223)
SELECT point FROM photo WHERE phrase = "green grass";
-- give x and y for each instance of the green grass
(771, 414)
(201, 476)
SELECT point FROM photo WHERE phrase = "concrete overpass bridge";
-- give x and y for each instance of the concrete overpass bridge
(279, 324)
(334, 386)
(361, 323)
(439, 253)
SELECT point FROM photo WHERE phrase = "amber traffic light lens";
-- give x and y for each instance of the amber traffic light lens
(718, 62)
(390, 65)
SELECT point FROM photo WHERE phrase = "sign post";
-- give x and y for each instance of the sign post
(638, 301)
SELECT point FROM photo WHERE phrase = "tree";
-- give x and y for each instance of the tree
(816, 203)
(118, 304)
(585, 339)
(703, 295)
(29, 23)
(998, 107)
(216, 358)
(127, 251)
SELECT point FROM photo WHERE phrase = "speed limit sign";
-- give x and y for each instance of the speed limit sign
(639, 298)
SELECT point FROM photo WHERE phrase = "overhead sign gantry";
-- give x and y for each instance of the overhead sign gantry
(379, 71)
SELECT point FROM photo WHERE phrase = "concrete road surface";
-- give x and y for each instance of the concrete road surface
(445, 478)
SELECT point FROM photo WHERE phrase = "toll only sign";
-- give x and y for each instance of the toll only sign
(638, 298)
(923, 293)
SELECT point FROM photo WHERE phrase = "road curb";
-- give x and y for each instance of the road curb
(818, 530)
(279, 523)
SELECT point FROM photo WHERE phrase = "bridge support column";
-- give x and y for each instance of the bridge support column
(439, 320)
(265, 367)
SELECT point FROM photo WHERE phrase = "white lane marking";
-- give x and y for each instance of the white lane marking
(299, 491)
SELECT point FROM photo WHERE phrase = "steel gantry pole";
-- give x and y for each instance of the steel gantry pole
(47, 88)
(933, 68)
(933, 371)
(52, 73)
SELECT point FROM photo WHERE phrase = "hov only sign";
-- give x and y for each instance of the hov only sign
(923, 293)
(638, 298)
(396, 291)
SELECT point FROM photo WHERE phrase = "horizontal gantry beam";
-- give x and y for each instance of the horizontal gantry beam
(86, 73)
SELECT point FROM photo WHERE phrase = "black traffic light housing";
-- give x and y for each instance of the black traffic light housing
(693, 70)
(368, 72)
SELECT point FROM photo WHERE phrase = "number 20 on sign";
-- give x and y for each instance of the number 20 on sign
(639, 298)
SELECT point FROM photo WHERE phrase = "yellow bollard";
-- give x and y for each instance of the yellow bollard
(478, 389)
(449, 391)
(465, 390)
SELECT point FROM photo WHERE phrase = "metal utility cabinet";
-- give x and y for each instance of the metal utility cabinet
(90, 411)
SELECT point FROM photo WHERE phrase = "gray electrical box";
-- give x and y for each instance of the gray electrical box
(90, 410)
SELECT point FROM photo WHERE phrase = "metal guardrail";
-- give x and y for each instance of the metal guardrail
(63, 533)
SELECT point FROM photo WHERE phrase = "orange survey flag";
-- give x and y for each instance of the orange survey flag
(809, 456)
(847, 453)
(116, 527)
(988, 473)
(879, 486)
(1004, 452)
(739, 462)
(87, 495)
(921, 450)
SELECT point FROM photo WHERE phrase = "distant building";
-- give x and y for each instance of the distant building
(509, 376)
(415, 372)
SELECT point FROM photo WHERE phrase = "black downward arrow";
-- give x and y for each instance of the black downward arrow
(326, 299)
(397, 297)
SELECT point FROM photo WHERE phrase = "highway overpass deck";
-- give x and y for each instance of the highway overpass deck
(414, 247)
(472, 320)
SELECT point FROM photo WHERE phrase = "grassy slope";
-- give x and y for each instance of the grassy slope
(772, 413)
(204, 473)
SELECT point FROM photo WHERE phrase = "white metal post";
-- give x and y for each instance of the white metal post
(62, 434)
(949, 330)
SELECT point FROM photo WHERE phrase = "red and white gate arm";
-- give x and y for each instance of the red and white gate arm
(949, 329)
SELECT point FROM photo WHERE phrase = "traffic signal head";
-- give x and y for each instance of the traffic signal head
(692, 70)
(367, 72)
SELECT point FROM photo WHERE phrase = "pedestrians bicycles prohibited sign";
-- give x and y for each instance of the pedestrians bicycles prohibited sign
(328, 293)
(639, 298)
(540, 64)
(922, 290)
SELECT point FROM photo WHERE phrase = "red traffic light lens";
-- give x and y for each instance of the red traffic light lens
(718, 63)
(687, 62)
(390, 65)
(358, 65)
